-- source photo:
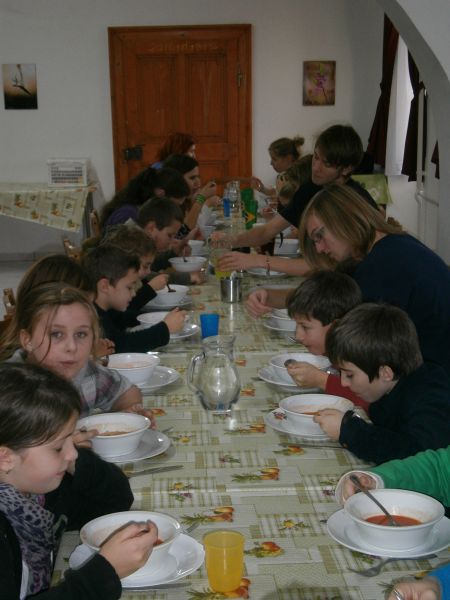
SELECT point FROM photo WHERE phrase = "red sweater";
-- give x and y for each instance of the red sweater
(335, 388)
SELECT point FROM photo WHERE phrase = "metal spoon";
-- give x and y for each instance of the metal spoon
(290, 362)
(355, 480)
(169, 289)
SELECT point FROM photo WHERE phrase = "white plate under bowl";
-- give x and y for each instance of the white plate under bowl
(161, 377)
(281, 426)
(186, 556)
(156, 305)
(343, 530)
(188, 330)
(271, 323)
(268, 375)
(262, 272)
(149, 446)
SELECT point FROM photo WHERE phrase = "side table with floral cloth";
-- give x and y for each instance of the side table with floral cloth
(377, 186)
(62, 208)
(240, 473)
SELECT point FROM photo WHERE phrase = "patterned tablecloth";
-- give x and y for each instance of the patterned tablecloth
(62, 208)
(242, 474)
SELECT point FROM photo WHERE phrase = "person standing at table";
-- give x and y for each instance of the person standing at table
(339, 229)
(284, 153)
(337, 153)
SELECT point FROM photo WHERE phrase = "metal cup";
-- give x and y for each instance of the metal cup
(230, 289)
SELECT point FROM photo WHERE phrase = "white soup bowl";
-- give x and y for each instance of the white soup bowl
(166, 298)
(405, 503)
(300, 410)
(94, 533)
(188, 264)
(277, 363)
(137, 367)
(119, 432)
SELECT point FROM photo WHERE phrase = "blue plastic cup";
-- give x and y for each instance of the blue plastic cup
(209, 323)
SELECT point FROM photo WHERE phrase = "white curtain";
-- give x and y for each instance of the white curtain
(401, 96)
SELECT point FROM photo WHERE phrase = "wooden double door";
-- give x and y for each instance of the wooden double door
(191, 79)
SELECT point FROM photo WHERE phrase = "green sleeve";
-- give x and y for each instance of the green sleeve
(427, 472)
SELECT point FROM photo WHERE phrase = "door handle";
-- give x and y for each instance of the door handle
(133, 152)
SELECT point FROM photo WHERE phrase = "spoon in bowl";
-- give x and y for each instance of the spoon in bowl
(169, 289)
(290, 362)
(356, 482)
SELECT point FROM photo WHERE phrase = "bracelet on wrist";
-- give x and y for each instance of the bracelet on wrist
(201, 199)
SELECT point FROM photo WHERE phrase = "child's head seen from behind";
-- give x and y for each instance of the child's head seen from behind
(317, 303)
(135, 242)
(374, 345)
(115, 273)
(161, 219)
(38, 413)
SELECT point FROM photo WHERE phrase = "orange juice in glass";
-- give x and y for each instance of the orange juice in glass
(224, 559)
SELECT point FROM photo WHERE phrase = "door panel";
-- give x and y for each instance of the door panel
(192, 79)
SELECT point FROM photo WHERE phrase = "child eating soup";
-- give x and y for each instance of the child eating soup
(45, 483)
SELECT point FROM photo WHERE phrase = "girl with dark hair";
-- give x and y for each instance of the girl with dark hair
(197, 209)
(47, 485)
(147, 184)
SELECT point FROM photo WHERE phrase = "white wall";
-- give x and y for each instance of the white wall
(425, 28)
(68, 42)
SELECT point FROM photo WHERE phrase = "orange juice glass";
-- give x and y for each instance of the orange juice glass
(224, 559)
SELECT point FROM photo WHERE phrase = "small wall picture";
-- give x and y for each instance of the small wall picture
(20, 86)
(319, 81)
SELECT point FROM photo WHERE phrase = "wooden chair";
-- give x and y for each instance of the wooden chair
(71, 250)
(94, 221)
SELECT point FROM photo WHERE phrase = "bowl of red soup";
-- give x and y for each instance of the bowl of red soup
(97, 531)
(416, 516)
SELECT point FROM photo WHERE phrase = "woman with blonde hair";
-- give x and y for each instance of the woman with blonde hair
(340, 229)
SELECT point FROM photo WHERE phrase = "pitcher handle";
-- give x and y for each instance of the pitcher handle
(191, 371)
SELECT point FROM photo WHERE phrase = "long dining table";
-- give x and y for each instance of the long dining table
(240, 473)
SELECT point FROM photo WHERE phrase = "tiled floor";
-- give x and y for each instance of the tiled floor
(10, 275)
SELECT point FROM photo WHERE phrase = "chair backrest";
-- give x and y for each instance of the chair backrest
(9, 300)
(94, 221)
(71, 250)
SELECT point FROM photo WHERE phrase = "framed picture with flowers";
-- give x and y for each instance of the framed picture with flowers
(319, 82)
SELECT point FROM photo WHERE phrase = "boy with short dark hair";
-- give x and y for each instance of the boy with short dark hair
(315, 305)
(377, 350)
(161, 219)
(116, 273)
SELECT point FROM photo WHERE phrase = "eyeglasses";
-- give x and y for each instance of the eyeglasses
(318, 235)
